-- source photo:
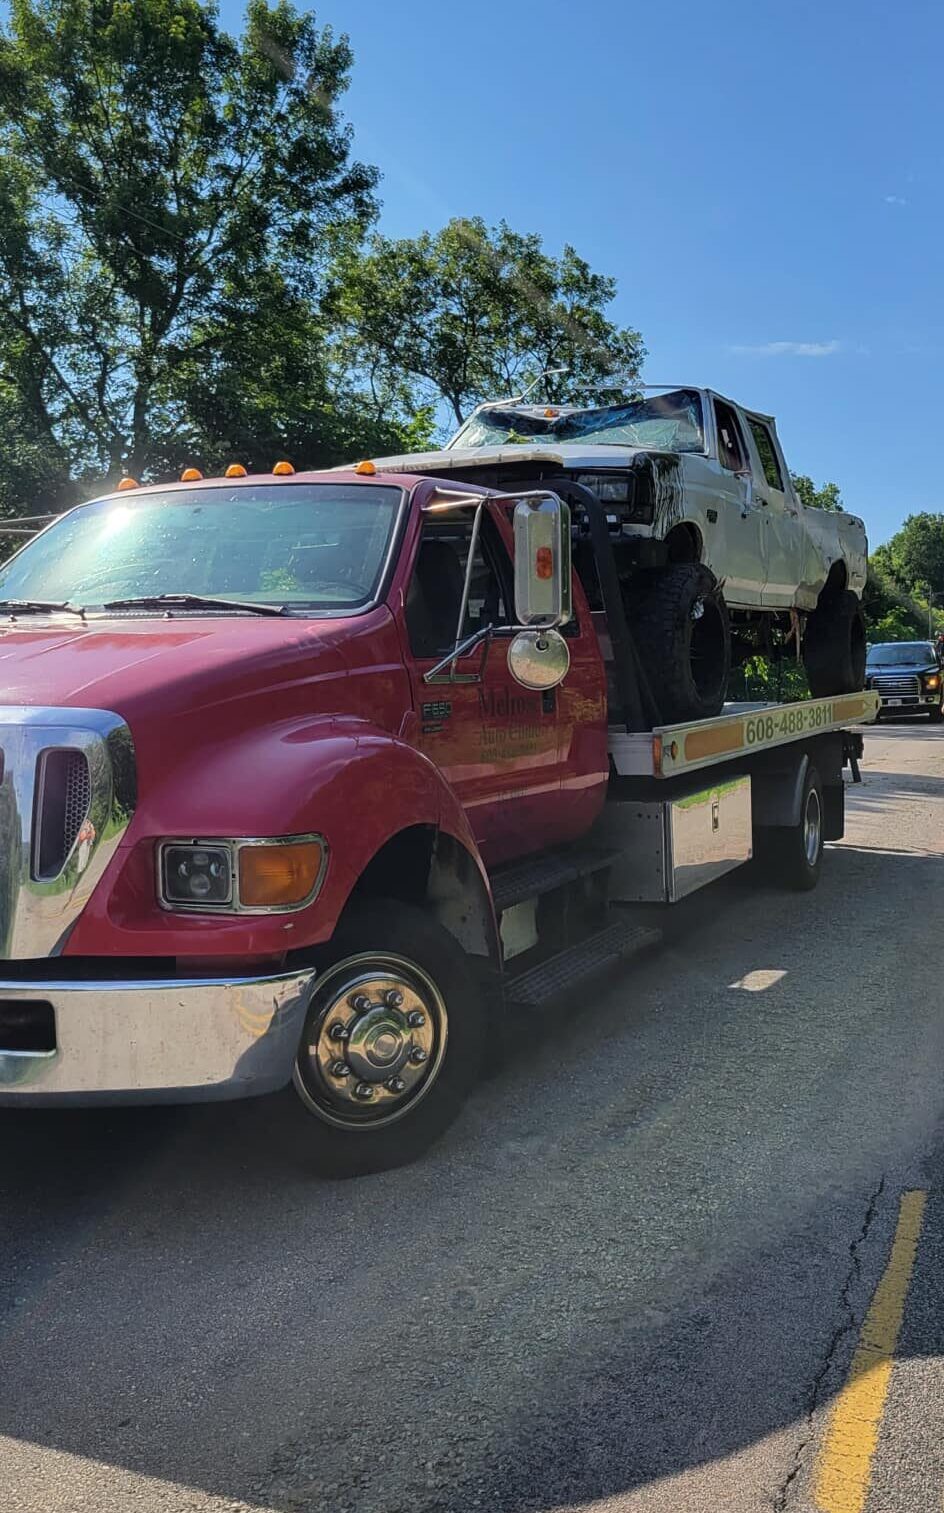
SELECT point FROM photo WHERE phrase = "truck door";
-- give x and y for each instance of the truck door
(497, 744)
(744, 566)
(781, 515)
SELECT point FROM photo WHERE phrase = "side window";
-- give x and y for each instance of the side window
(435, 592)
(731, 452)
(767, 453)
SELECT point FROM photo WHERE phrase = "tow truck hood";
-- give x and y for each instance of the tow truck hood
(162, 667)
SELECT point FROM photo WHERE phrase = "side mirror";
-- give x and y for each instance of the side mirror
(538, 659)
(542, 560)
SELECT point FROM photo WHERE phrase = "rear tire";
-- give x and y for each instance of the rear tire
(684, 639)
(794, 854)
(399, 1012)
(834, 647)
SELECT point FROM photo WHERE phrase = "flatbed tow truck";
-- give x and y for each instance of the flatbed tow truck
(308, 777)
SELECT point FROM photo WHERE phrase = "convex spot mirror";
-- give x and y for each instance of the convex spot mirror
(538, 658)
(542, 561)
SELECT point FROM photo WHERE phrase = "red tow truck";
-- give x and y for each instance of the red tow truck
(307, 777)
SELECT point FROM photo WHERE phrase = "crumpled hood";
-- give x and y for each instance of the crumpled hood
(565, 454)
(164, 666)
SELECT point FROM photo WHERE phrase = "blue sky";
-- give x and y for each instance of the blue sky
(763, 180)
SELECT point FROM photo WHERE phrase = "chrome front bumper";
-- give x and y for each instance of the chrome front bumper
(168, 1041)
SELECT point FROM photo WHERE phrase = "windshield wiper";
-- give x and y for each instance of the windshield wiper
(39, 607)
(193, 601)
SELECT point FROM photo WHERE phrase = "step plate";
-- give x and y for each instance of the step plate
(536, 875)
(554, 977)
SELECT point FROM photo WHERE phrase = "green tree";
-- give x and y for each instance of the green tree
(915, 553)
(827, 497)
(169, 201)
(472, 312)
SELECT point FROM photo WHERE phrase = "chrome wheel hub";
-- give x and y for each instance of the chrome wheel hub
(374, 1041)
(812, 826)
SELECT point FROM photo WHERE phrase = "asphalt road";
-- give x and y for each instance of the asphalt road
(634, 1276)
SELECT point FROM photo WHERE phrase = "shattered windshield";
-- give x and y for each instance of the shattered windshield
(661, 423)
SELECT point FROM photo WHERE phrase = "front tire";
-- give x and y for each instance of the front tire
(393, 1040)
(684, 638)
(834, 647)
(936, 715)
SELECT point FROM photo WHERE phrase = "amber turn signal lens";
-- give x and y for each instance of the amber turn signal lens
(283, 469)
(191, 475)
(278, 876)
(235, 470)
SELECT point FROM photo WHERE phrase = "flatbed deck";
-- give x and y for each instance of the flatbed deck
(670, 751)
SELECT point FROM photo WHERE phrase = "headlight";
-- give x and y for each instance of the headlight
(241, 876)
(633, 500)
(932, 680)
(197, 875)
(610, 488)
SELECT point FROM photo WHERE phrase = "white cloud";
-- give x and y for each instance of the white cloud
(789, 349)
(895, 199)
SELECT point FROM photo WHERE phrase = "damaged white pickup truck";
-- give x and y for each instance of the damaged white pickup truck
(717, 556)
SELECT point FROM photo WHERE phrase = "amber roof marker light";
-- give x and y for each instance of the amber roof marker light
(128, 483)
(366, 469)
(283, 470)
(235, 470)
(191, 475)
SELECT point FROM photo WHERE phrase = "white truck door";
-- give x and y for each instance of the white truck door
(780, 510)
(743, 567)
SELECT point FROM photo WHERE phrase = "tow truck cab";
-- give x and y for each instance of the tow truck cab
(303, 784)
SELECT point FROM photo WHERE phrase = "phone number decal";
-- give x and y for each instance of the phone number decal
(786, 722)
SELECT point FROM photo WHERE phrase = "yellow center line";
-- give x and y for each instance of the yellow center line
(845, 1462)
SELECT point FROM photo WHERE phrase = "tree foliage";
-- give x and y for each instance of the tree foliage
(826, 497)
(169, 200)
(914, 556)
(472, 313)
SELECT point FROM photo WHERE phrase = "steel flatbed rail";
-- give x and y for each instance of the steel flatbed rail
(671, 750)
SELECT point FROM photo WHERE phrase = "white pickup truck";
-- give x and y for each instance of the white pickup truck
(717, 556)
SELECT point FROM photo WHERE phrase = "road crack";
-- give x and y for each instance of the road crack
(845, 1324)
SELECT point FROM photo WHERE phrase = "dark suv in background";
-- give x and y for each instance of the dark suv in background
(908, 677)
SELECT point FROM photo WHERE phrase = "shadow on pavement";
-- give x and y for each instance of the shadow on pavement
(634, 1255)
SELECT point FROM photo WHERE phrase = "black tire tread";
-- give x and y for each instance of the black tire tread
(834, 647)
(658, 624)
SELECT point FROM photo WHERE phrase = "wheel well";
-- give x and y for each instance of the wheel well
(836, 582)
(683, 543)
(423, 865)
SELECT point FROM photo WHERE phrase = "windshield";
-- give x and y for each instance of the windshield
(307, 546)
(901, 653)
(663, 423)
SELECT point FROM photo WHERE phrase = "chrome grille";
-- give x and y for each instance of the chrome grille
(895, 684)
(64, 795)
(67, 794)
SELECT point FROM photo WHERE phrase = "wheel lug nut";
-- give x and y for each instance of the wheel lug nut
(339, 1031)
(340, 1069)
(395, 1084)
(418, 1056)
(364, 1092)
(360, 1003)
(394, 998)
(416, 1019)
